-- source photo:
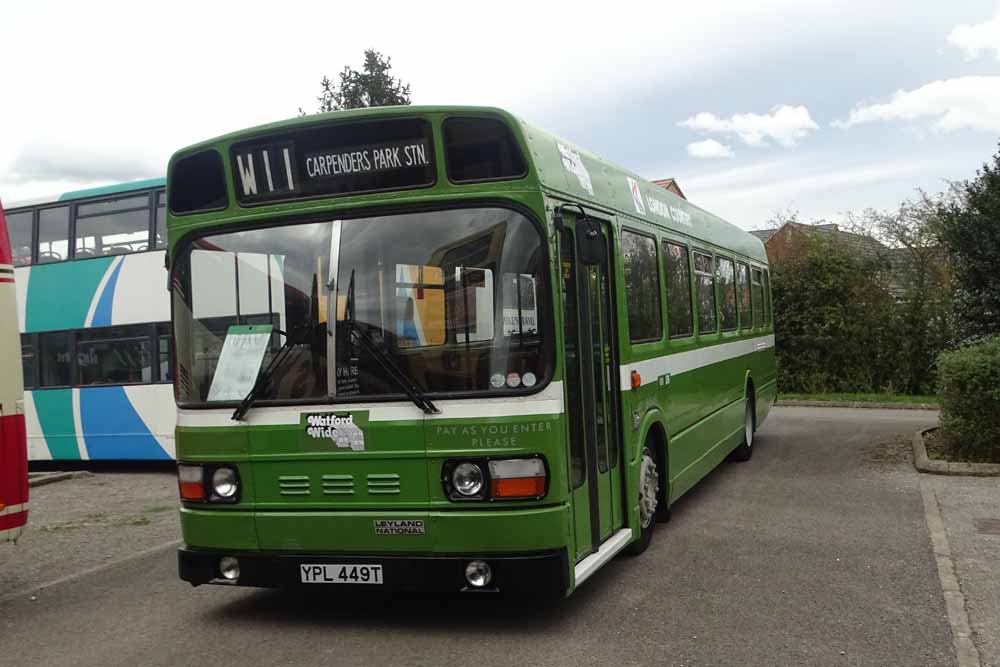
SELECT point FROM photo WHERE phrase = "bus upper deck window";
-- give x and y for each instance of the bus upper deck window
(481, 149)
(19, 229)
(197, 183)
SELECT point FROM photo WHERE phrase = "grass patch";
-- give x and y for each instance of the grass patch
(95, 520)
(134, 520)
(937, 450)
(156, 509)
(65, 526)
(906, 399)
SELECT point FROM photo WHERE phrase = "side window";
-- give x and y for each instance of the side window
(112, 227)
(53, 234)
(704, 278)
(767, 299)
(114, 355)
(725, 272)
(160, 221)
(54, 358)
(164, 351)
(677, 267)
(19, 230)
(758, 298)
(743, 289)
(28, 361)
(642, 287)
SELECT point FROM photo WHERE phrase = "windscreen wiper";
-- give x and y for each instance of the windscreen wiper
(386, 362)
(391, 369)
(279, 359)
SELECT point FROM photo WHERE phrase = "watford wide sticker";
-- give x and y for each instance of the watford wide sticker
(338, 429)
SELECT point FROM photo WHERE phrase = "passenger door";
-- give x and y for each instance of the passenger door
(591, 383)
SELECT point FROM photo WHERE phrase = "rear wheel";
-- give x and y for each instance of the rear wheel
(649, 499)
(745, 449)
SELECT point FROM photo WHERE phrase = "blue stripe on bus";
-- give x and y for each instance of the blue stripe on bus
(113, 430)
(102, 314)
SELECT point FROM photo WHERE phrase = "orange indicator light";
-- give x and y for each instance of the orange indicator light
(192, 491)
(636, 380)
(518, 487)
(190, 481)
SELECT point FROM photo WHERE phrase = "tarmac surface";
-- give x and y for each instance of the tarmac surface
(816, 552)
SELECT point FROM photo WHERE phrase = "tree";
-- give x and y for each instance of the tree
(970, 227)
(920, 281)
(373, 86)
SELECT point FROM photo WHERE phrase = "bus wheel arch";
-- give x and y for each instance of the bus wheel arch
(744, 450)
(751, 395)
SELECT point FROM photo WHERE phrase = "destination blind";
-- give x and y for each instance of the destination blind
(333, 160)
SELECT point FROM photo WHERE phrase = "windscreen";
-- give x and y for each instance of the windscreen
(454, 299)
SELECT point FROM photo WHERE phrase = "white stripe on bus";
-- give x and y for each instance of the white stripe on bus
(14, 509)
(682, 362)
(548, 402)
(81, 442)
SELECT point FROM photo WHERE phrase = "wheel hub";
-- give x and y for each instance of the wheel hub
(649, 488)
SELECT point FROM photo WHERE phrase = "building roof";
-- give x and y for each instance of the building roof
(861, 243)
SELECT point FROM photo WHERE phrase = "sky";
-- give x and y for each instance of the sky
(817, 106)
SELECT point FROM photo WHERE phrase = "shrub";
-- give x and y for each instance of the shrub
(835, 328)
(969, 385)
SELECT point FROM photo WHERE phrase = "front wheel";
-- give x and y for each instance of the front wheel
(649, 499)
(745, 449)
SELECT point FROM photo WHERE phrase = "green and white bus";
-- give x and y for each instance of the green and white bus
(436, 348)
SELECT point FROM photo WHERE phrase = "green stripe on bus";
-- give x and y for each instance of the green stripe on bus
(59, 295)
(55, 416)
(113, 189)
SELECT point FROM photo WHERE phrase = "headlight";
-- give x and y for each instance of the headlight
(229, 568)
(467, 479)
(478, 573)
(225, 484)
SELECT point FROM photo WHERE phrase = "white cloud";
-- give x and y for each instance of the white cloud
(710, 148)
(966, 102)
(815, 185)
(978, 38)
(81, 162)
(784, 124)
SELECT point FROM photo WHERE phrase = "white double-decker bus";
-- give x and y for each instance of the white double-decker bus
(93, 313)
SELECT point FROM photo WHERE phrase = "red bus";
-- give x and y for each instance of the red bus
(13, 444)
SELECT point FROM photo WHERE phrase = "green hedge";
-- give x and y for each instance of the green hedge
(969, 384)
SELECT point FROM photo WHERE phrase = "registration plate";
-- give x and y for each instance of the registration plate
(341, 574)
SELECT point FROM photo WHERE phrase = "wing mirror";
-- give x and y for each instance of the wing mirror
(590, 242)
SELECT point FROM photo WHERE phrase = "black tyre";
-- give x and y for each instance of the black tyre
(649, 500)
(745, 449)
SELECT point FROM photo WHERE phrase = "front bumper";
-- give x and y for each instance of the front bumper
(541, 573)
